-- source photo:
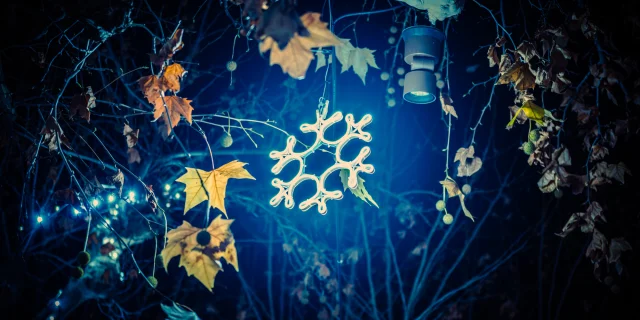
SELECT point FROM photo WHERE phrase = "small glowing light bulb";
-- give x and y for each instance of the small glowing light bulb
(52, 318)
(167, 187)
(400, 71)
(177, 196)
(384, 76)
(114, 212)
(57, 208)
(113, 255)
(39, 219)
(76, 211)
(107, 221)
(168, 205)
(111, 198)
(132, 196)
(95, 202)
(57, 303)
(117, 206)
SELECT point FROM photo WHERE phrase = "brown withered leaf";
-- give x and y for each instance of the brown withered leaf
(598, 250)
(548, 182)
(175, 107)
(505, 63)
(118, 181)
(81, 104)
(610, 171)
(469, 164)
(616, 248)
(281, 23)
(520, 75)
(133, 155)
(527, 51)
(454, 191)
(447, 104)
(173, 45)
(598, 152)
(132, 136)
(152, 88)
(576, 182)
(53, 135)
(578, 219)
(172, 76)
(492, 55)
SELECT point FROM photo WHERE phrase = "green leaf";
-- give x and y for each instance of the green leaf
(359, 191)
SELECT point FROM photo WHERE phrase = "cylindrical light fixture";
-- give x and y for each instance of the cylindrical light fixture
(422, 50)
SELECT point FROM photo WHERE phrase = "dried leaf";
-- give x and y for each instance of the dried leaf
(53, 135)
(201, 185)
(296, 56)
(610, 171)
(198, 261)
(548, 182)
(152, 88)
(520, 75)
(176, 107)
(453, 191)
(118, 181)
(360, 191)
(527, 51)
(322, 60)
(173, 45)
(132, 136)
(172, 76)
(177, 312)
(492, 55)
(133, 155)
(358, 58)
(467, 168)
(447, 104)
(616, 248)
(81, 104)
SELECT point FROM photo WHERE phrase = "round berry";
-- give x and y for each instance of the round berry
(226, 140)
(391, 90)
(77, 272)
(447, 219)
(153, 281)
(534, 135)
(440, 205)
(466, 189)
(440, 84)
(400, 71)
(83, 258)
(384, 76)
(401, 82)
(393, 29)
(391, 102)
(557, 193)
(615, 289)
(391, 40)
(232, 66)
(203, 238)
(528, 148)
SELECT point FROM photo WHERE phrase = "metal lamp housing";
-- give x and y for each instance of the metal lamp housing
(422, 50)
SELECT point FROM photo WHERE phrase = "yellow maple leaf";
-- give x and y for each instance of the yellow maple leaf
(532, 111)
(296, 56)
(359, 191)
(172, 76)
(202, 261)
(176, 107)
(453, 191)
(201, 185)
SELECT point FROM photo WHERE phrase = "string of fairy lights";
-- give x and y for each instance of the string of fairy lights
(116, 207)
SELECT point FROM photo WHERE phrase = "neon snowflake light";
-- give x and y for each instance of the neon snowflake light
(322, 195)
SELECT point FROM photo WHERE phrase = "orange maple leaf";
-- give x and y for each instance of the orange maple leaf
(171, 108)
(172, 76)
(296, 56)
(151, 87)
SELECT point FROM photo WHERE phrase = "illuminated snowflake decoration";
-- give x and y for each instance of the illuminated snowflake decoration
(322, 195)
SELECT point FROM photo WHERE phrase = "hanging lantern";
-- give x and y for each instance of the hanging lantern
(422, 50)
